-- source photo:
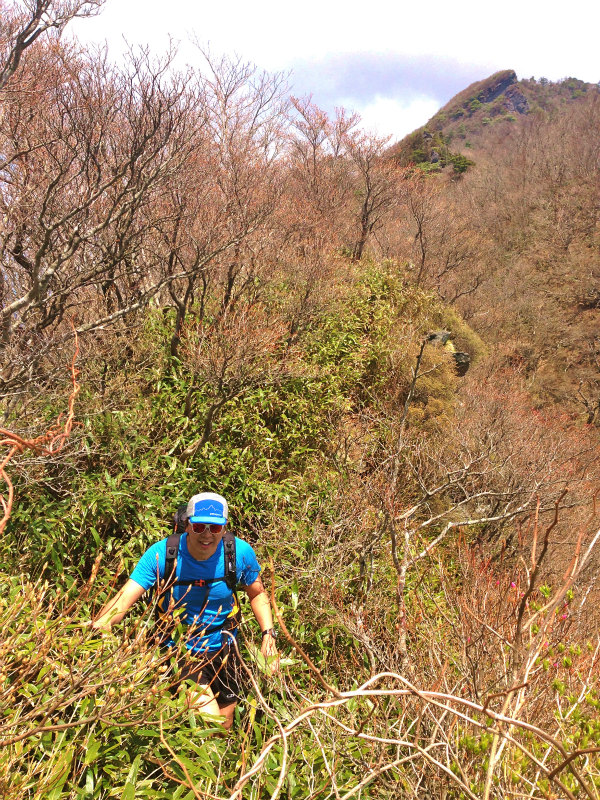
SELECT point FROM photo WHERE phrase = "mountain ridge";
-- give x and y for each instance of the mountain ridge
(462, 123)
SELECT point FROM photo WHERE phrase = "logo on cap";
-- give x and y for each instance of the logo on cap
(203, 508)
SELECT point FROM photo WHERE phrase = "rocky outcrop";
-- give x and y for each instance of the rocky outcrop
(462, 361)
(496, 85)
(515, 100)
(505, 89)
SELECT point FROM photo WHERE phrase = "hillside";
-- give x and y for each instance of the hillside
(486, 109)
(390, 373)
(514, 241)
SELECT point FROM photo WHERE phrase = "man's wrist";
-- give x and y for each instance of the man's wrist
(270, 632)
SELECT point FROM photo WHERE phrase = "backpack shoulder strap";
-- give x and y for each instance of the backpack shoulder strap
(171, 557)
(163, 587)
(235, 617)
(179, 522)
(180, 519)
(230, 575)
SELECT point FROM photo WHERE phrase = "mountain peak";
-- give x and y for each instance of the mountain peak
(465, 119)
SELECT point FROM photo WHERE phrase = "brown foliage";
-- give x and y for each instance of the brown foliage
(21, 24)
(46, 444)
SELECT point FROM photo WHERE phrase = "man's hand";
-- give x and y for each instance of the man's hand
(270, 652)
(261, 608)
(116, 608)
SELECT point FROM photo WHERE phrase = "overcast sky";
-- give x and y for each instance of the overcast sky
(394, 63)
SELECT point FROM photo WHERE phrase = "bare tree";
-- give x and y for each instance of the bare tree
(246, 115)
(232, 355)
(375, 183)
(81, 195)
(319, 181)
(22, 24)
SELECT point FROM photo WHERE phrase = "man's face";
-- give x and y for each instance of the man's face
(205, 535)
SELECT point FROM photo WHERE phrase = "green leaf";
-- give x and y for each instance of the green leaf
(93, 746)
(193, 767)
(129, 788)
(60, 773)
(151, 732)
(89, 781)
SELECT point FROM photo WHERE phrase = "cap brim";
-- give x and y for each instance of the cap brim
(209, 520)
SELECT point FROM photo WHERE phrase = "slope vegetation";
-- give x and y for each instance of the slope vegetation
(225, 289)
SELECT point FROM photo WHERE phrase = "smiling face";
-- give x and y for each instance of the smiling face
(203, 539)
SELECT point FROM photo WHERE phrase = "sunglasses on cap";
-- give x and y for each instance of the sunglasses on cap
(200, 527)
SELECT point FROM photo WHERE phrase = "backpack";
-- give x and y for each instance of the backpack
(230, 577)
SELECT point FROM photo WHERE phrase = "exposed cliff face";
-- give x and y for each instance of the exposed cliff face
(515, 100)
(494, 86)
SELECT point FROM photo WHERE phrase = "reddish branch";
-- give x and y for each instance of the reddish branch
(46, 444)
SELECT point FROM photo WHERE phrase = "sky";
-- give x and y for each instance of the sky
(394, 63)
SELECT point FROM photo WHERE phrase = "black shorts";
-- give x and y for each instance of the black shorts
(219, 669)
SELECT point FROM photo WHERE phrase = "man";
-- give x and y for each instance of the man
(206, 604)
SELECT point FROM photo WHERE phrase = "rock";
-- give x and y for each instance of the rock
(462, 361)
(496, 85)
(439, 336)
(516, 101)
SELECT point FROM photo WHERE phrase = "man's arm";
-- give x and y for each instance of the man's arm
(261, 608)
(115, 609)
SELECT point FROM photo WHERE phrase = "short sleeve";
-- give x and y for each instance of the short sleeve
(248, 568)
(150, 566)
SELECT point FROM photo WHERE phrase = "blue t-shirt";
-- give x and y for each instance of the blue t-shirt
(203, 606)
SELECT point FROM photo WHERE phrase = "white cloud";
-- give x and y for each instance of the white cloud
(385, 116)
(531, 36)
